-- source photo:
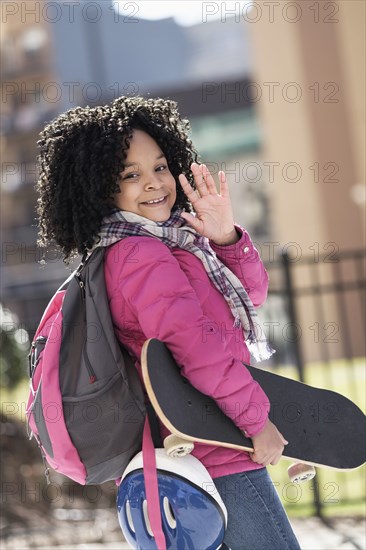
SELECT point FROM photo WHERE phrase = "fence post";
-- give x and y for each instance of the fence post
(290, 293)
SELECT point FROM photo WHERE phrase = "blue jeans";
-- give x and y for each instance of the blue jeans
(256, 517)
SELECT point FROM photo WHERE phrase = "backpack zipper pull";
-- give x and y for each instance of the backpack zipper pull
(47, 475)
(82, 289)
(47, 470)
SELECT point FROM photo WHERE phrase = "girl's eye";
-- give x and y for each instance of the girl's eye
(133, 175)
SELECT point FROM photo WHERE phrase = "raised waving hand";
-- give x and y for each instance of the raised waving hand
(214, 214)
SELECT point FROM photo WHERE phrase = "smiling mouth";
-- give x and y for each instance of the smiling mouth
(156, 202)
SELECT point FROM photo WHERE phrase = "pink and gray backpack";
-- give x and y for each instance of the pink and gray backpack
(86, 405)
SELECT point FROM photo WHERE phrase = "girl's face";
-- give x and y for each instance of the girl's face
(147, 185)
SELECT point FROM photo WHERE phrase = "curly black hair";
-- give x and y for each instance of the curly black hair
(82, 153)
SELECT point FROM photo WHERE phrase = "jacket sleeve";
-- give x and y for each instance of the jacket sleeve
(166, 307)
(243, 259)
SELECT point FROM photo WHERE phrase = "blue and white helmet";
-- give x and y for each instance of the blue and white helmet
(193, 513)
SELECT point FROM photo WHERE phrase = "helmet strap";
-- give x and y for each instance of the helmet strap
(151, 486)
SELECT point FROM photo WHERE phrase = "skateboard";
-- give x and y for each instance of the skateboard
(323, 427)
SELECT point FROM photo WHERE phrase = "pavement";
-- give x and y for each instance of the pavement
(312, 533)
(342, 534)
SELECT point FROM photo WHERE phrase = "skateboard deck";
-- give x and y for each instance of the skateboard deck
(323, 428)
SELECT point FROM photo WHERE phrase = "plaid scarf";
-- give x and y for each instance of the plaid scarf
(175, 232)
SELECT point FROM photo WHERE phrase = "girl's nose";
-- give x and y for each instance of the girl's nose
(153, 182)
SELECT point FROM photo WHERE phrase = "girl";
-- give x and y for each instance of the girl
(177, 268)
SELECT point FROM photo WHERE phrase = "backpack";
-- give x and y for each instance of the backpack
(86, 406)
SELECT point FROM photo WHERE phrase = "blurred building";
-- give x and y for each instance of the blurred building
(275, 101)
(54, 59)
(309, 60)
(27, 67)
(313, 111)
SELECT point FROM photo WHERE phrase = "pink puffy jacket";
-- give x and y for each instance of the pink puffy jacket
(158, 292)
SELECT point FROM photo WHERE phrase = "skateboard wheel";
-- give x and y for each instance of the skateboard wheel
(177, 446)
(300, 472)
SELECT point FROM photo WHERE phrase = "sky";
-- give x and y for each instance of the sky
(188, 12)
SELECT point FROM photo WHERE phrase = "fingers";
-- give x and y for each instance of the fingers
(188, 189)
(284, 441)
(265, 460)
(206, 176)
(224, 188)
(268, 445)
(193, 221)
(199, 177)
(205, 183)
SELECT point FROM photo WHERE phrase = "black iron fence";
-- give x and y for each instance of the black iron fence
(315, 318)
